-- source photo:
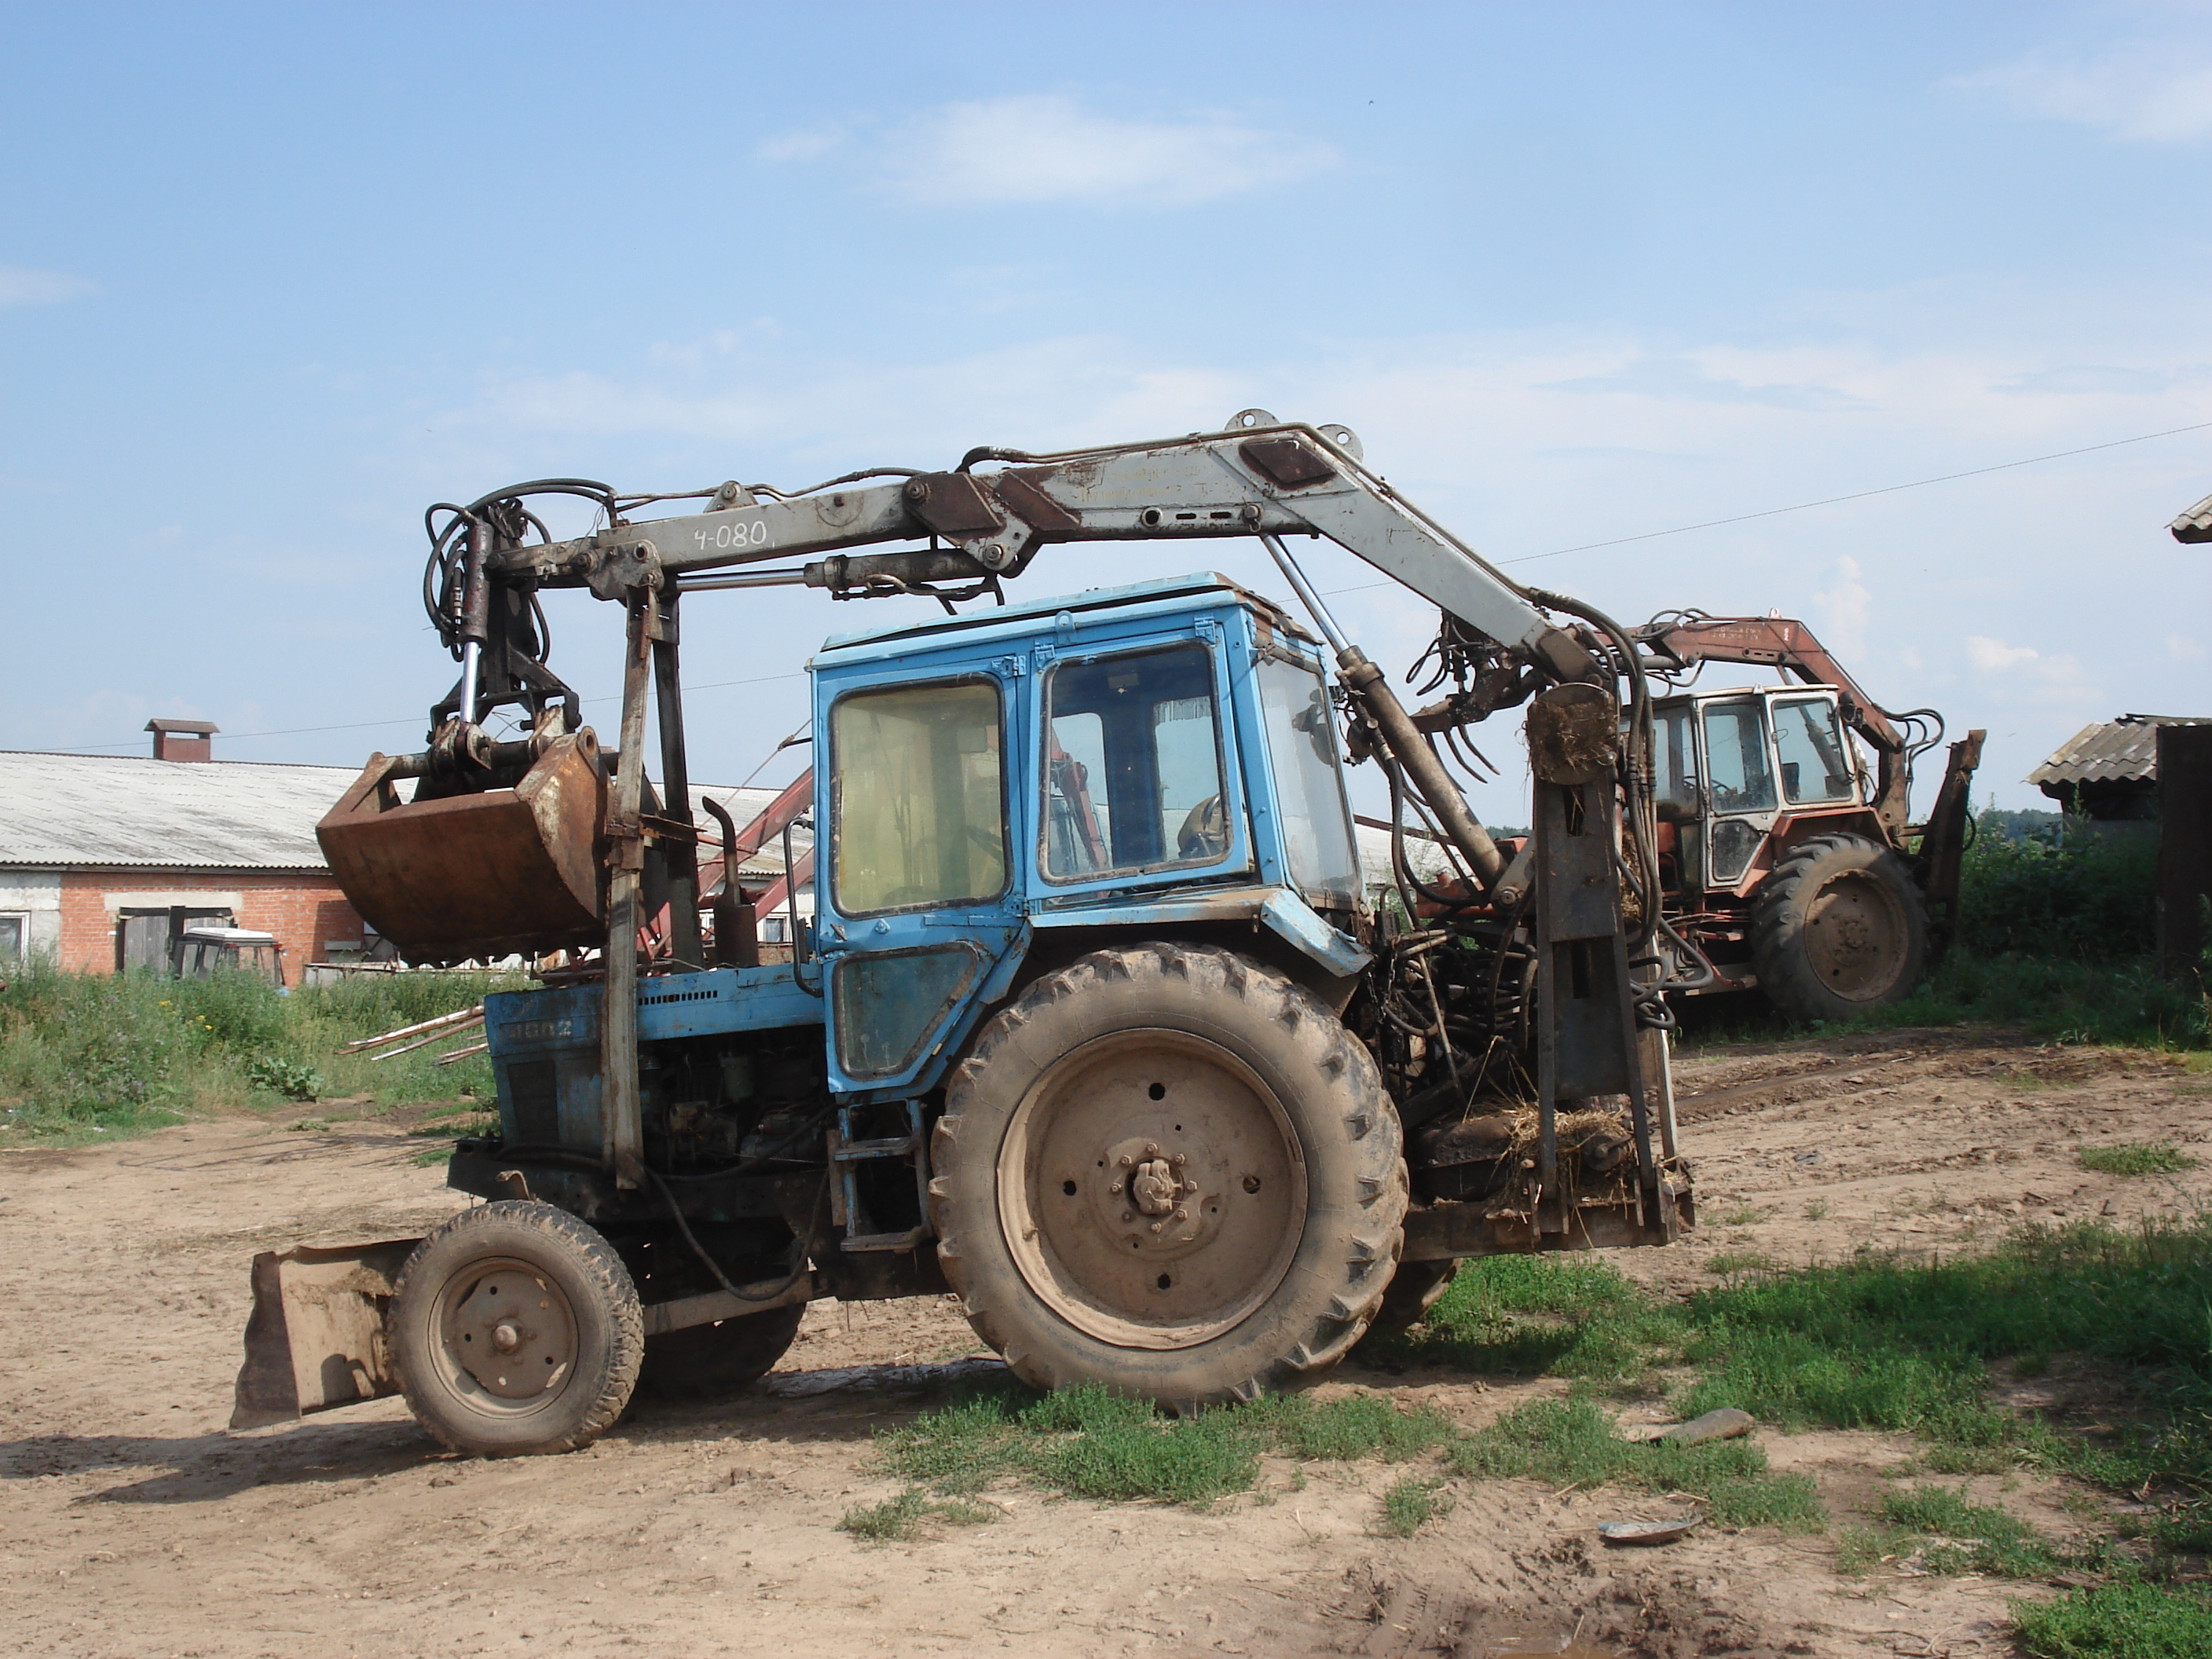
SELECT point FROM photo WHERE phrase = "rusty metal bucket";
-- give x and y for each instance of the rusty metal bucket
(482, 875)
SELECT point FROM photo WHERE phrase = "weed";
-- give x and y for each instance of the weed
(432, 1156)
(284, 1077)
(889, 1521)
(1947, 1534)
(1093, 1443)
(2117, 1621)
(1412, 1504)
(1740, 1215)
(1817, 1209)
(1730, 1262)
(1572, 1442)
(2137, 1157)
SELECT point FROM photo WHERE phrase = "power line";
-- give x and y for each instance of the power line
(1362, 588)
(1825, 500)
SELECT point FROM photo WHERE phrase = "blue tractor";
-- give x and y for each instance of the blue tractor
(1093, 1024)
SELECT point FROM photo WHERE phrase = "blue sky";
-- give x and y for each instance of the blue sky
(274, 278)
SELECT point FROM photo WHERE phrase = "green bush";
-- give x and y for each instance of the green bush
(96, 1054)
(2081, 897)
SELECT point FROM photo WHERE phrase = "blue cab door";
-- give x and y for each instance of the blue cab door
(916, 878)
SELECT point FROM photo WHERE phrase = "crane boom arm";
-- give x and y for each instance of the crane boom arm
(1280, 479)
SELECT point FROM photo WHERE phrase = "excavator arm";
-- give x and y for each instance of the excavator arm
(1268, 479)
(1686, 640)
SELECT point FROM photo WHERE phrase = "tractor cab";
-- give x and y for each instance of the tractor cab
(201, 953)
(1733, 766)
(1032, 779)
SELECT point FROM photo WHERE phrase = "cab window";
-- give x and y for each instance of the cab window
(1815, 764)
(1308, 789)
(1736, 757)
(917, 800)
(1132, 765)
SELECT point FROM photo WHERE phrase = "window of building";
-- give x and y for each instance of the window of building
(15, 936)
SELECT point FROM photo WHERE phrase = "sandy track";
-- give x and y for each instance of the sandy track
(131, 1523)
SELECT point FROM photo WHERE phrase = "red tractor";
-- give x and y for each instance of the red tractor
(1784, 863)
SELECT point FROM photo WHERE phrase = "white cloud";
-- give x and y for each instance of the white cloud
(803, 145)
(1046, 147)
(1845, 609)
(21, 285)
(2150, 91)
(1996, 657)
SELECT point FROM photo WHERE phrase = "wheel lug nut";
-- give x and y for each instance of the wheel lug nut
(1152, 1149)
(1179, 1160)
(1127, 1160)
(1182, 1215)
(1157, 1225)
(1128, 1215)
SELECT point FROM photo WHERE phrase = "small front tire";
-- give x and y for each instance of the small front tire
(515, 1329)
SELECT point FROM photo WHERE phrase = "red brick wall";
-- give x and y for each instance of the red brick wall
(305, 912)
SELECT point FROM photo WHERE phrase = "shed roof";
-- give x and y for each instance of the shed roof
(2123, 751)
(114, 811)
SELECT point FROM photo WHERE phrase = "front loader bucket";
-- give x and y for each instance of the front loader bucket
(481, 875)
(315, 1339)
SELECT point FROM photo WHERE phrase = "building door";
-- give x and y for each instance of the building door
(143, 937)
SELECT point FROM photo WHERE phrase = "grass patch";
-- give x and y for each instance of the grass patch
(1564, 1315)
(2137, 1157)
(85, 1055)
(1412, 1504)
(431, 1156)
(1730, 1262)
(1939, 1531)
(1572, 1442)
(904, 1517)
(2117, 1621)
(1091, 1443)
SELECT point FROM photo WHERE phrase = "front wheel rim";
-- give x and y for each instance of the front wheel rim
(1152, 1190)
(506, 1337)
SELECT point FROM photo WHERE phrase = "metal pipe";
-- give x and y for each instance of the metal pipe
(747, 578)
(1311, 600)
(1420, 765)
(624, 1137)
(682, 861)
(471, 654)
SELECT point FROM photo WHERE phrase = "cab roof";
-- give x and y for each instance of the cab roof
(1201, 587)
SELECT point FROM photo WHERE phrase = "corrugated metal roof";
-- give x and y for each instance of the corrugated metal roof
(76, 812)
(2116, 751)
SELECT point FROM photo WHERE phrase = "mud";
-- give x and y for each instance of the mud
(131, 1523)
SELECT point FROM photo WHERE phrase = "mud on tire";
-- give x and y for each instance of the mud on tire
(1838, 929)
(1168, 1170)
(515, 1329)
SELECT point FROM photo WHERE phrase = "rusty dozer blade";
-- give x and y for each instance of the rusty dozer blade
(315, 1340)
(477, 875)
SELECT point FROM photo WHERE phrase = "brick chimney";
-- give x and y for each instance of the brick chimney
(183, 740)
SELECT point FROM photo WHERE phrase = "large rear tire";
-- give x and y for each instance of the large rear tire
(1171, 1170)
(1838, 929)
(515, 1329)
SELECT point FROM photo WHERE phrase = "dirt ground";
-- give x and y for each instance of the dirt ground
(131, 1523)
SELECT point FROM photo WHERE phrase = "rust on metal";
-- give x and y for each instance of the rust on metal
(953, 504)
(315, 1339)
(1289, 462)
(477, 875)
